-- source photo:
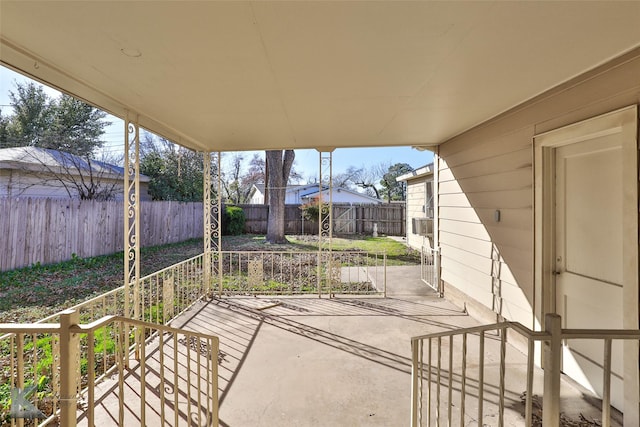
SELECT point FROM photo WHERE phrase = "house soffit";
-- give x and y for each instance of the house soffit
(230, 76)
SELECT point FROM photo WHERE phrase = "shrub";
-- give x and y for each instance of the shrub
(311, 210)
(233, 220)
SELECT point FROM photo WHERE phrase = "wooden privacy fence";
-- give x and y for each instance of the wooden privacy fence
(51, 230)
(347, 219)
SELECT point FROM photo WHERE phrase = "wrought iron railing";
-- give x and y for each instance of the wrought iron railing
(171, 377)
(448, 389)
(29, 356)
(430, 268)
(182, 284)
(160, 297)
(166, 293)
(294, 273)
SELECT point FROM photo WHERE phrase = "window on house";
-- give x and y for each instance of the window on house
(428, 197)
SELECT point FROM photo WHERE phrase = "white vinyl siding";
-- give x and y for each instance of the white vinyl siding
(417, 195)
(489, 261)
(490, 168)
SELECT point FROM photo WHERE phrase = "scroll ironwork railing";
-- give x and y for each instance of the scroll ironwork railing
(295, 273)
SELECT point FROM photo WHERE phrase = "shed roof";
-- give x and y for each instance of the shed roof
(36, 159)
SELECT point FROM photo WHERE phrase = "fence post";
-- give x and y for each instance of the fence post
(552, 361)
(69, 344)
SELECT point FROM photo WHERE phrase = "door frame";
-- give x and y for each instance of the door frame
(623, 121)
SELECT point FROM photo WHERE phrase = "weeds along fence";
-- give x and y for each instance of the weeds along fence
(34, 230)
(46, 231)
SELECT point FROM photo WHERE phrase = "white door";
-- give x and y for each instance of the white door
(586, 231)
(589, 254)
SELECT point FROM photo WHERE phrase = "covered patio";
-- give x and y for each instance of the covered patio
(291, 361)
(220, 76)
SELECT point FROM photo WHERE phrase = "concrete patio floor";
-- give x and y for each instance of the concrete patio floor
(346, 361)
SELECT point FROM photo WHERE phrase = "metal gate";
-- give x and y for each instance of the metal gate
(430, 271)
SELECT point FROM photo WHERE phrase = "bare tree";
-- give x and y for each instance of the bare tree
(235, 191)
(257, 174)
(368, 178)
(80, 176)
(279, 164)
(344, 179)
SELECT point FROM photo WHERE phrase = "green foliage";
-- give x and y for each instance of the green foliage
(175, 172)
(79, 127)
(155, 313)
(33, 119)
(66, 124)
(5, 402)
(69, 126)
(233, 221)
(392, 189)
(45, 353)
(104, 342)
(397, 253)
(311, 210)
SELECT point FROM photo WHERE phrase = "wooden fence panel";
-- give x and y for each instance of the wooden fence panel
(389, 218)
(52, 230)
(256, 218)
(345, 219)
(294, 223)
(348, 219)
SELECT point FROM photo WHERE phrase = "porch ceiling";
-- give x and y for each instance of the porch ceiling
(259, 75)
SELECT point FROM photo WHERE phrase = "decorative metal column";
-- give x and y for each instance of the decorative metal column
(325, 220)
(212, 205)
(131, 217)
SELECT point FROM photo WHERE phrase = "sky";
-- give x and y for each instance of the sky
(306, 161)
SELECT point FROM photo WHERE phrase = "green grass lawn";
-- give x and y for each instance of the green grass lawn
(397, 253)
(32, 293)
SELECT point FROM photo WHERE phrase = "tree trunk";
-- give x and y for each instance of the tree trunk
(279, 167)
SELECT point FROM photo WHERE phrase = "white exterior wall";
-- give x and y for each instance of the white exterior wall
(489, 265)
(16, 183)
(257, 198)
(340, 196)
(416, 202)
(294, 196)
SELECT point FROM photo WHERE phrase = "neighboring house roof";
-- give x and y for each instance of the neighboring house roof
(290, 188)
(304, 192)
(417, 173)
(36, 159)
(259, 187)
(356, 194)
